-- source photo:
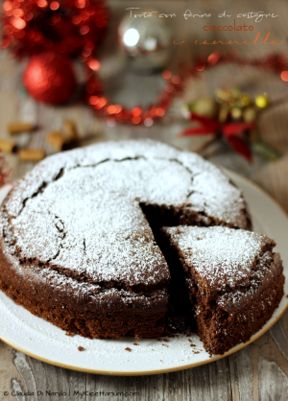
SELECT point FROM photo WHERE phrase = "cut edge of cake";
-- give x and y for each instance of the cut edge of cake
(227, 312)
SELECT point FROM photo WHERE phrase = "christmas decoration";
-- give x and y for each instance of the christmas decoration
(49, 78)
(230, 115)
(146, 40)
(74, 28)
(136, 115)
(276, 63)
(240, 135)
(52, 33)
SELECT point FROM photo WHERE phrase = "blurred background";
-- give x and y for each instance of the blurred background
(208, 76)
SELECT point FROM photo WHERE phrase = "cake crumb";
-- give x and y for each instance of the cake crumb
(128, 349)
(193, 346)
(81, 349)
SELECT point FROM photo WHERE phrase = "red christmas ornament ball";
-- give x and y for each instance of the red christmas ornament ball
(50, 78)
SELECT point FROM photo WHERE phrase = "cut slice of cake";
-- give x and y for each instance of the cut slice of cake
(234, 281)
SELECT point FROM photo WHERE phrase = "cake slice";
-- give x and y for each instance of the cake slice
(233, 278)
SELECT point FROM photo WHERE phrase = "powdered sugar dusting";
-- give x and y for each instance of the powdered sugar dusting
(223, 257)
(83, 208)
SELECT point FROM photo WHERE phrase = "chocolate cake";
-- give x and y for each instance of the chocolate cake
(233, 278)
(81, 238)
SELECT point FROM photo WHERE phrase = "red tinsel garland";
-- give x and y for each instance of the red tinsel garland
(136, 115)
(276, 63)
(70, 27)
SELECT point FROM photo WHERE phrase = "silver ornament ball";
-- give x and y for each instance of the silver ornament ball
(146, 40)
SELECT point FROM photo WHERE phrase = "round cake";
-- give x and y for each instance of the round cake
(82, 241)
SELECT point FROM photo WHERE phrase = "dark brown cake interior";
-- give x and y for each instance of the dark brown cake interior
(179, 316)
(227, 313)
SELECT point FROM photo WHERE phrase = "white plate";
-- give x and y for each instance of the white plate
(46, 342)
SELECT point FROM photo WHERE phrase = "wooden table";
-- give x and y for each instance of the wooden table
(259, 372)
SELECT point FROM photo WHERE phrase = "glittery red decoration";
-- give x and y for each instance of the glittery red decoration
(75, 28)
(136, 115)
(275, 63)
(70, 27)
(50, 78)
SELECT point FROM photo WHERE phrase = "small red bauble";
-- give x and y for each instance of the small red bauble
(49, 78)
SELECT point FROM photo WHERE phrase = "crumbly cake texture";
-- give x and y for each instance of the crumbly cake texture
(81, 244)
(234, 280)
